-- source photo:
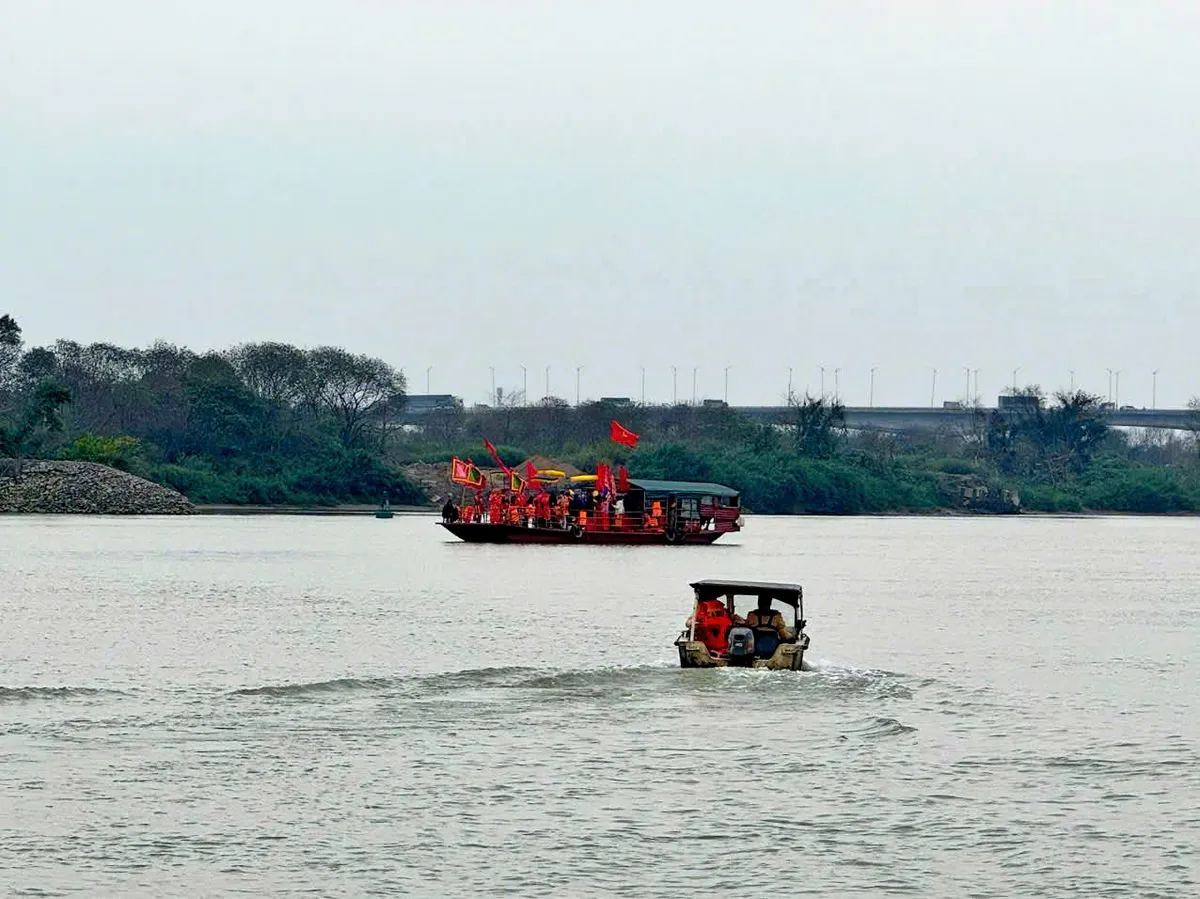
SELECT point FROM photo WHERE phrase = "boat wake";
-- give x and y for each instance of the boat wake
(502, 678)
(619, 681)
(32, 694)
(337, 685)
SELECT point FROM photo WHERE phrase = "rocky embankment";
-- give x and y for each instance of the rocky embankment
(85, 488)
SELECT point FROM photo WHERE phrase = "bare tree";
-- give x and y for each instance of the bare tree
(1193, 422)
(10, 352)
(275, 372)
(354, 389)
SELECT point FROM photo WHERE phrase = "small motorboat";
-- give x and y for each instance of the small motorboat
(716, 636)
(384, 510)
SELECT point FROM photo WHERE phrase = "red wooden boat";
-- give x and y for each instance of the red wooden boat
(662, 513)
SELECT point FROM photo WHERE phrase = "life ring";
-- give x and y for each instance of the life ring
(576, 532)
(674, 535)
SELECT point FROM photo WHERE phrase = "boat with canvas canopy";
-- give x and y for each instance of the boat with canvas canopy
(716, 636)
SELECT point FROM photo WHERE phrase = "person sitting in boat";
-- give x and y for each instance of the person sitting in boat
(766, 617)
(710, 623)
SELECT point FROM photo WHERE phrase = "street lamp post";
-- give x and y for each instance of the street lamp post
(578, 371)
(871, 396)
(674, 386)
(789, 393)
(643, 385)
(1072, 382)
(524, 386)
(1015, 370)
(1110, 374)
(1154, 389)
(975, 396)
(727, 385)
(933, 390)
(547, 381)
(694, 370)
(427, 371)
(837, 385)
(822, 381)
(1117, 395)
(967, 369)
(493, 368)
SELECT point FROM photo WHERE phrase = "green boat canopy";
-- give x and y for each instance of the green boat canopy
(682, 488)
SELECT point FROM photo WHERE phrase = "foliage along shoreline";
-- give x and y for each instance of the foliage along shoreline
(277, 426)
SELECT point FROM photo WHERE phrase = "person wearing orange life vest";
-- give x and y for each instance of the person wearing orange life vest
(766, 617)
(542, 506)
(711, 621)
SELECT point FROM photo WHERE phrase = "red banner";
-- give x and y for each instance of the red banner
(495, 455)
(622, 435)
(622, 480)
(531, 478)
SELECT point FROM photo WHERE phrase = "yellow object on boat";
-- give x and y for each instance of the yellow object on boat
(584, 477)
(550, 473)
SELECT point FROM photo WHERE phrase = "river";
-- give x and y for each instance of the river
(343, 706)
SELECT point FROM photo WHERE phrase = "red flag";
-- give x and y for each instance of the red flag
(495, 455)
(531, 477)
(622, 480)
(602, 474)
(622, 435)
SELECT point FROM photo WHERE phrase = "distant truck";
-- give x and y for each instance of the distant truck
(1020, 401)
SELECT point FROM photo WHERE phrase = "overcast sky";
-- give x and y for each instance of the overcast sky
(909, 185)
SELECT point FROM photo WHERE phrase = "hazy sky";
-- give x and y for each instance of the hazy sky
(903, 184)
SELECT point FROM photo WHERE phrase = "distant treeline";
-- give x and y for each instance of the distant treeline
(259, 423)
(273, 423)
(1056, 452)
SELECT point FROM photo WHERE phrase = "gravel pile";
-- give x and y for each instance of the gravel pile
(85, 488)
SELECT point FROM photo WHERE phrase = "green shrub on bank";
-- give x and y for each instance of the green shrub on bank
(337, 478)
(121, 452)
(1143, 489)
(1045, 498)
(779, 482)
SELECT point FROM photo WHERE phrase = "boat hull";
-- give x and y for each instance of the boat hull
(788, 657)
(473, 532)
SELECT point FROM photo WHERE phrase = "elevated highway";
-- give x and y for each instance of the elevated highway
(916, 418)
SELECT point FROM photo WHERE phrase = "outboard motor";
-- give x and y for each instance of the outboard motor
(741, 646)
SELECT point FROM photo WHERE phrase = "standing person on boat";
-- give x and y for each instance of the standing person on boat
(495, 507)
(449, 512)
(542, 504)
